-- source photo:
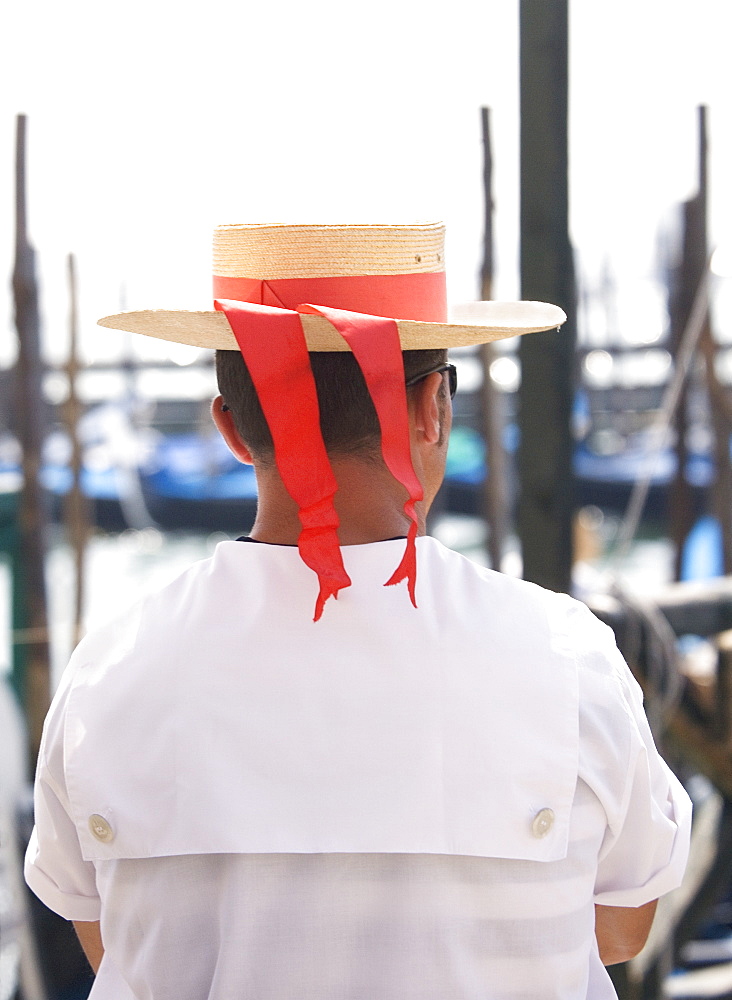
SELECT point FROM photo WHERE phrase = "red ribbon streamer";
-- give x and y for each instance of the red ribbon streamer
(375, 344)
(421, 296)
(273, 346)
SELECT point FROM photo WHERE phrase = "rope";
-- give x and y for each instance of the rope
(689, 340)
(647, 631)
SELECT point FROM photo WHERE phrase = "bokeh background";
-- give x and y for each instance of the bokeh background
(150, 122)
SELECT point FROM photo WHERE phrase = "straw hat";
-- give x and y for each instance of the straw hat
(393, 271)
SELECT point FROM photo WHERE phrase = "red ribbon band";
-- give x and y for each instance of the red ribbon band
(420, 296)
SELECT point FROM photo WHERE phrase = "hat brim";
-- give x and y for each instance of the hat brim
(471, 323)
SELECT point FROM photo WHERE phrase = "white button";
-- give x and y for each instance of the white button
(543, 822)
(100, 828)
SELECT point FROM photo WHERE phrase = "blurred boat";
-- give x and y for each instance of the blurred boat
(192, 481)
(152, 458)
(606, 478)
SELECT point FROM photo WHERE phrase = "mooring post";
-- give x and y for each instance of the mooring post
(494, 488)
(546, 502)
(688, 279)
(30, 633)
(76, 507)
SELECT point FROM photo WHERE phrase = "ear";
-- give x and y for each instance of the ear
(226, 428)
(427, 412)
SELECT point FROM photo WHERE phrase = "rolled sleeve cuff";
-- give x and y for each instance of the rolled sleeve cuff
(671, 874)
(69, 905)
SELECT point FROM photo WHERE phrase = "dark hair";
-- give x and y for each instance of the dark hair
(348, 420)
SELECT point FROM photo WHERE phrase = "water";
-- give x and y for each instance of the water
(119, 569)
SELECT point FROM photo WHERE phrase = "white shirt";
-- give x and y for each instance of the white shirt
(389, 803)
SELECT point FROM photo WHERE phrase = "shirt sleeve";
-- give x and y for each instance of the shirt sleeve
(646, 844)
(54, 867)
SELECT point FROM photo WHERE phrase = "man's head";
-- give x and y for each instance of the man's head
(348, 420)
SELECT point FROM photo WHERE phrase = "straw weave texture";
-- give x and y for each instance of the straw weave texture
(478, 324)
(292, 251)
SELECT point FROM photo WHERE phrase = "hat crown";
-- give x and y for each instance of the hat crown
(269, 252)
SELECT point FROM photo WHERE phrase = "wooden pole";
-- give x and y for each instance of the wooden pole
(494, 487)
(32, 513)
(486, 273)
(546, 502)
(719, 404)
(76, 512)
(690, 274)
(722, 424)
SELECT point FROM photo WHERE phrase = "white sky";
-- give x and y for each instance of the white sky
(150, 122)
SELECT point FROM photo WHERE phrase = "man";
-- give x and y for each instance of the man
(440, 788)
